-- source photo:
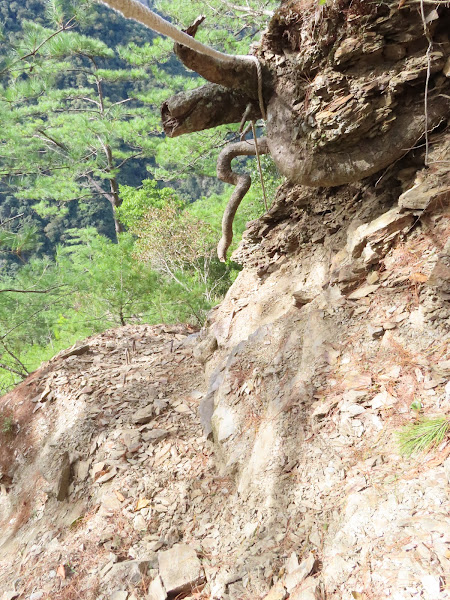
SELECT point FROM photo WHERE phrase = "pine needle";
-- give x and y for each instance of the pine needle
(423, 436)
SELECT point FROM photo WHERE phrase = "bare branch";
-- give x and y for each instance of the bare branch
(14, 357)
(12, 370)
(249, 11)
(17, 291)
(99, 189)
(11, 219)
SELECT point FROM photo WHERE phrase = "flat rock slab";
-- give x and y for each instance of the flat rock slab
(155, 435)
(421, 195)
(63, 478)
(363, 291)
(128, 572)
(180, 570)
(144, 415)
(206, 410)
(378, 230)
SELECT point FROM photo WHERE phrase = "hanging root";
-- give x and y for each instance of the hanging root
(242, 183)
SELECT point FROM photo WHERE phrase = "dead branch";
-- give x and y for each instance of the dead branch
(18, 291)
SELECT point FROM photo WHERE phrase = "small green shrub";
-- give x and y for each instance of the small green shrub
(423, 436)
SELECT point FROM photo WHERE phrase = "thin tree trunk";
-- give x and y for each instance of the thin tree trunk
(111, 199)
(113, 196)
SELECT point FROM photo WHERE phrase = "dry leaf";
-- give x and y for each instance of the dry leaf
(142, 503)
(418, 277)
(61, 571)
(120, 497)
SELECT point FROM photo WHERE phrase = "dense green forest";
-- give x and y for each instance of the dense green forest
(104, 221)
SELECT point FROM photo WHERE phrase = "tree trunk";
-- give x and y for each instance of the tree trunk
(112, 197)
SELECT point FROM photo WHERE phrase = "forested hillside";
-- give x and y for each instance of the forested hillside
(84, 159)
(113, 31)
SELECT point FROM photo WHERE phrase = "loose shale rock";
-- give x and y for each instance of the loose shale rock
(180, 570)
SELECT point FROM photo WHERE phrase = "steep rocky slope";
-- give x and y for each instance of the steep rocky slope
(257, 456)
(258, 459)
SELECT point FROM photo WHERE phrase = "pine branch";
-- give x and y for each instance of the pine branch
(67, 26)
(52, 140)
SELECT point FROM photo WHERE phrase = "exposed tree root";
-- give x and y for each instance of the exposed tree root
(204, 108)
(242, 183)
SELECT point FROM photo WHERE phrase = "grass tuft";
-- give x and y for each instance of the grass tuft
(423, 436)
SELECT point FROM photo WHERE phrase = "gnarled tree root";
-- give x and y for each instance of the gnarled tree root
(204, 108)
(242, 183)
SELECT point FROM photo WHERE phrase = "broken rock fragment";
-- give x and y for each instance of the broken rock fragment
(278, 592)
(129, 572)
(63, 478)
(156, 590)
(143, 415)
(381, 230)
(421, 195)
(180, 570)
(298, 575)
(155, 435)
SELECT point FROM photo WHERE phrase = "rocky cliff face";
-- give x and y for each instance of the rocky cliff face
(338, 325)
(256, 458)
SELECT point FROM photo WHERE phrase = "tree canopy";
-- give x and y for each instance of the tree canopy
(80, 91)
